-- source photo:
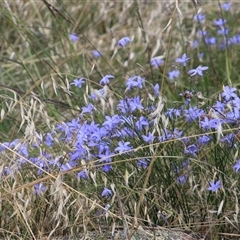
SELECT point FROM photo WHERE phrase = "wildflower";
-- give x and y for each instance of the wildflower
(226, 6)
(142, 122)
(199, 70)
(229, 139)
(73, 37)
(106, 192)
(173, 112)
(23, 150)
(78, 82)
(88, 109)
(210, 40)
(135, 103)
(156, 62)
(182, 60)
(223, 31)
(192, 150)
(199, 17)
(135, 81)
(123, 42)
(39, 188)
(123, 106)
(142, 163)
(202, 33)
(112, 122)
(49, 139)
(193, 113)
(82, 174)
(209, 123)
(214, 186)
(105, 79)
(228, 93)
(66, 167)
(96, 54)
(236, 166)
(106, 168)
(202, 140)
(219, 22)
(194, 44)
(176, 133)
(123, 147)
(173, 74)
(182, 179)
(166, 136)
(200, 55)
(148, 138)
(156, 90)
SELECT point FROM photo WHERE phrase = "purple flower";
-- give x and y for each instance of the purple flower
(228, 93)
(123, 42)
(166, 136)
(105, 79)
(106, 168)
(66, 167)
(156, 90)
(192, 150)
(236, 166)
(88, 109)
(96, 54)
(135, 81)
(214, 186)
(202, 140)
(182, 60)
(223, 31)
(23, 150)
(210, 40)
(202, 33)
(148, 138)
(123, 106)
(49, 139)
(199, 17)
(194, 44)
(235, 40)
(74, 124)
(156, 62)
(135, 103)
(112, 122)
(106, 192)
(39, 188)
(182, 179)
(198, 71)
(207, 123)
(173, 74)
(82, 174)
(201, 55)
(219, 22)
(123, 147)
(193, 113)
(77, 82)
(142, 122)
(73, 37)
(229, 138)
(143, 163)
(173, 112)
(176, 133)
(226, 6)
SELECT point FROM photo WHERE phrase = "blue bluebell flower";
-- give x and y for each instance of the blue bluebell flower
(214, 186)
(123, 42)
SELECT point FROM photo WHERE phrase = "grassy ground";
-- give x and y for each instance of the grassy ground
(76, 159)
